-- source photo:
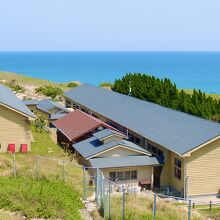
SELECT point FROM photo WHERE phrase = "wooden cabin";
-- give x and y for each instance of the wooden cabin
(15, 120)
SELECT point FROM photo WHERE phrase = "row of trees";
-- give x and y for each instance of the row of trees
(164, 92)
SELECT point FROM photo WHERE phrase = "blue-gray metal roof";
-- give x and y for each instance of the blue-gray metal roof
(30, 102)
(46, 105)
(93, 146)
(57, 116)
(8, 98)
(174, 130)
(106, 133)
(125, 161)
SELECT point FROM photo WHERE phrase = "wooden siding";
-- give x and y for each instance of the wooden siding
(167, 175)
(203, 170)
(112, 138)
(37, 112)
(119, 151)
(14, 129)
(144, 172)
(175, 182)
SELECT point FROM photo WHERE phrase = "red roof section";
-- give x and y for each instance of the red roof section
(77, 123)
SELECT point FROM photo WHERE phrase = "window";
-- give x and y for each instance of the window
(120, 176)
(159, 153)
(127, 175)
(134, 139)
(137, 140)
(68, 104)
(94, 115)
(134, 174)
(155, 151)
(177, 168)
(84, 110)
(112, 176)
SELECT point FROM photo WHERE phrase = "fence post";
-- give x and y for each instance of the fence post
(189, 210)
(210, 206)
(95, 183)
(14, 165)
(37, 168)
(104, 197)
(97, 187)
(154, 206)
(84, 184)
(64, 178)
(123, 203)
(109, 200)
(101, 187)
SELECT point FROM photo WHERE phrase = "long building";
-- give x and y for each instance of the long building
(189, 145)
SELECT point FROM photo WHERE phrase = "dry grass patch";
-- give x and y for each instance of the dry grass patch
(137, 208)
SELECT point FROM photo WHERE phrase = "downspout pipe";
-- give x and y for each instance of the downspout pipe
(185, 179)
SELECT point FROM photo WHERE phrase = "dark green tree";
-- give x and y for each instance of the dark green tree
(164, 92)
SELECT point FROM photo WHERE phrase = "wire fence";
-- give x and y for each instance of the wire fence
(113, 200)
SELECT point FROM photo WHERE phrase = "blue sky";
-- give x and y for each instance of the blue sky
(116, 25)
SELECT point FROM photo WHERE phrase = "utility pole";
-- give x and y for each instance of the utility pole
(129, 92)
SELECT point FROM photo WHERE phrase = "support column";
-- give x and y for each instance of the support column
(152, 178)
(126, 132)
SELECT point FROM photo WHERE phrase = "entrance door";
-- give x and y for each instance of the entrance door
(157, 173)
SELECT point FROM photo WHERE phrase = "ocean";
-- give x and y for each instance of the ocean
(199, 70)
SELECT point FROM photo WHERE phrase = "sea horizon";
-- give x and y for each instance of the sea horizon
(188, 69)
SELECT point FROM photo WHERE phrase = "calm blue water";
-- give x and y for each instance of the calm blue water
(187, 70)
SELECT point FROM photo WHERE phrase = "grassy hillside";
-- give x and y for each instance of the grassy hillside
(32, 88)
(49, 197)
(25, 80)
(42, 199)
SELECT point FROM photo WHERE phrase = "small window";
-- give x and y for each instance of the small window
(160, 153)
(154, 149)
(131, 138)
(134, 174)
(127, 175)
(148, 147)
(84, 110)
(68, 104)
(112, 176)
(137, 140)
(177, 168)
(94, 115)
(120, 176)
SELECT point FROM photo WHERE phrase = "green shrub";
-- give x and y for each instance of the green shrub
(14, 86)
(39, 124)
(72, 84)
(39, 199)
(49, 91)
